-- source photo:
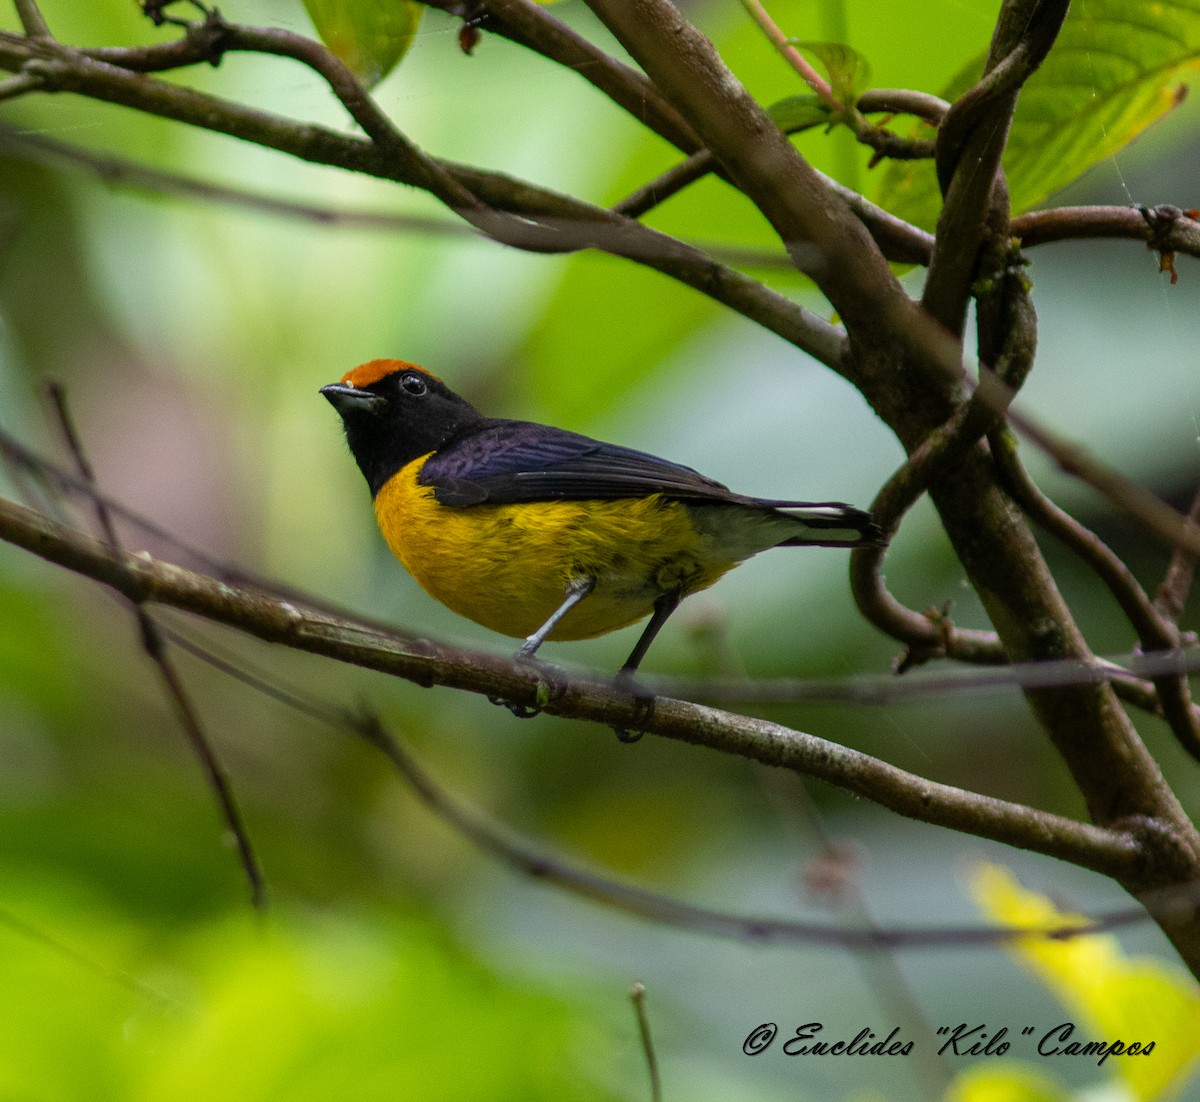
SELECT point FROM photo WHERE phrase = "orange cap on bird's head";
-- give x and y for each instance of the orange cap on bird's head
(374, 370)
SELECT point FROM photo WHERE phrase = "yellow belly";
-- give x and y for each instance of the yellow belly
(507, 566)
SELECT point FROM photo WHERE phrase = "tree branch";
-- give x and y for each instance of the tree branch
(1164, 227)
(550, 222)
(1156, 632)
(972, 138)
(142, 580)
(521, 856)
(533, 26)
(32, 19)
(1181, 571)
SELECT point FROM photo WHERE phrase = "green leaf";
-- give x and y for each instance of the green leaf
(848, 71)
(1118, 67)
(368, 36)
(799, 113)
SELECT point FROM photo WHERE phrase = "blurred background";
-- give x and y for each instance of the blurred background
(192, 338)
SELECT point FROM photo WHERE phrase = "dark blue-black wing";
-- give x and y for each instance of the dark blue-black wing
(503, 462)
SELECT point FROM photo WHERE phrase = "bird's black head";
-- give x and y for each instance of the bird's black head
(395, 412)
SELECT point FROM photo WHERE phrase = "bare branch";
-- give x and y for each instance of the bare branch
(927, 635)
(520, 855)
(32, 19)
(1156, 632)
(903, 101)
(1181, 571)
(19, 85)
(1165, 227)
(546, 222)
(535, 27)
(1160, 519)
(973, 135)
(523, 856)
(142, 579)
(1128, 671)
(900, 242)
(638, 995)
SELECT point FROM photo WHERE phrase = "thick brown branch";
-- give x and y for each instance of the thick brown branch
(32, 19)
(970, 143)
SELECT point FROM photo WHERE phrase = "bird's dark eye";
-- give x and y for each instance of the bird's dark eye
(413, 384)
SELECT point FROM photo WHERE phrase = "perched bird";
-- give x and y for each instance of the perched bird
(539, 532)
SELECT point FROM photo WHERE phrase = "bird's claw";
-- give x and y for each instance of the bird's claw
(547, 687)
(643, 708)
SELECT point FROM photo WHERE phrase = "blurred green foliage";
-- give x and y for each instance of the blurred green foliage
(192, 338)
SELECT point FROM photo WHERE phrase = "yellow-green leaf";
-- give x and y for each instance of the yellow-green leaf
(1010, 1084)
(1118, 66)
(369, 36)
(799, 113)
(848, 71)
(1110, 997)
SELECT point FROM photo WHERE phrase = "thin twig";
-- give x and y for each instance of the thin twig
(1156, 632)
(1181, 572)
(535, 27)
(127, 980)
(1163, 227)
(155, 647)
(526, 858)
(125, 172)
(927, 635)
(637, 995)
(884, 142)
(19, 85)
(900, 242)
(1171, 527)
(791, 55)
(971, 141)
(515, 852)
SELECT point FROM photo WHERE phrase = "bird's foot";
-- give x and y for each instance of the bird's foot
(549, 685)
(643, 707)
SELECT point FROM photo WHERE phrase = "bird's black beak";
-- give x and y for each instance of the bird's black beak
(348, 399)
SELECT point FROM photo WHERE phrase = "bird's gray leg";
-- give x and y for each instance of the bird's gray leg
(663, 607)
(576, 590)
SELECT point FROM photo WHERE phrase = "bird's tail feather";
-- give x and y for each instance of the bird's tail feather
(829, 524)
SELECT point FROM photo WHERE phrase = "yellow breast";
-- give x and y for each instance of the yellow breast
(507, 566)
